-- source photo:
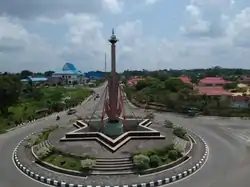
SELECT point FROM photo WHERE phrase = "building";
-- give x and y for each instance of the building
(244, 80)
(69, 74)
(240, 102)
(133, 81)
(54, 81)
(213, 81)
(94, 75)
(35, 79)
(186, 79)
(241, 90)
(214, 91)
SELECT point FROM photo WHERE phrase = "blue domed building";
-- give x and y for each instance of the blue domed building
(69, 74)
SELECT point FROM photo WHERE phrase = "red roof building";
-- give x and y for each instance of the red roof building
(240, 98)
(133, 81)
(185, 79)
(240, 102)
(213, 91)
(213, 81)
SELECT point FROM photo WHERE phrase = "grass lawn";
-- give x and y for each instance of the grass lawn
(63, 161)
(26, 108)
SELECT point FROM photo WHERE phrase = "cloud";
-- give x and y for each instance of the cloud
(20, 49)
(150, 2)
(114, 6)
(209, 35)
(28, 9)
(207, 18)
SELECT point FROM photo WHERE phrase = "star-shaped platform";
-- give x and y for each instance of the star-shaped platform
(84, 133)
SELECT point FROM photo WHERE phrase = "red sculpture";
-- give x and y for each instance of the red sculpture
(113, 104)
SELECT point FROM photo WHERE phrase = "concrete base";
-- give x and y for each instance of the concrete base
(113, 129)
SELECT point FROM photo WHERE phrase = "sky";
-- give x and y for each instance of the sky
(41, 35)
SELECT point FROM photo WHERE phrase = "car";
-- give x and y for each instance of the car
(71, 111)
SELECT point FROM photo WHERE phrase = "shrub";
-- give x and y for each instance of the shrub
(155, 161)
(32, 140)
(50, 128)
(141, 162)
(43, 152)
(180, 132)
(179, 148)
(151, 116)
(87, 164)
(168, 124)
(166, 149)
(174, 154)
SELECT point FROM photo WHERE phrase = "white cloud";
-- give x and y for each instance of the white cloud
(20, 49)
(205, 39)
(56, 8)
(114, 6)
(150, 2)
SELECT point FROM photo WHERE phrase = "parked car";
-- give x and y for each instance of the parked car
(71, 111)
(191, 111)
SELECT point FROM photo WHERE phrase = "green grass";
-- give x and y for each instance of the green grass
(45, 134)
(163, 155)
(26, 108)
(64, 161)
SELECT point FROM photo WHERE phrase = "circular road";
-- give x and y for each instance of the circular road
(228, 164)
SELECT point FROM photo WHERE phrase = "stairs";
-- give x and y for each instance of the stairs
(113, 166)
(45, 143)
(79, 124)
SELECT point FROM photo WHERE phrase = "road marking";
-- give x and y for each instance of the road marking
(24, 174)
(60, 173)
(165, 169)
(208, 153)
(234, 134)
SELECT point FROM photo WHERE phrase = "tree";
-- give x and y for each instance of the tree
(176, 84)
(25, 73)
(75, 83)
(48, 73)
(56, 96)
(194, 79)
(142, 84)
(230, 86)
(10, 90)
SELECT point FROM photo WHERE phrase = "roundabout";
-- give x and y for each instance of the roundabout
(122, 150)
(167, 176)
(109, 147)
(227, 152)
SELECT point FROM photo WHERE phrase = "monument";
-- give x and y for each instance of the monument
(113, 129)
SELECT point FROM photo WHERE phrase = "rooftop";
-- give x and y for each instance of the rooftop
(214, 80)
(240, 99)
(213, 90)
(68, 72)
(242, 85)
(68, 69)
(69, 66)
(35, 79)
(185, 79)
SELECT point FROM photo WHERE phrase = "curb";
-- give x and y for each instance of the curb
(160, 182)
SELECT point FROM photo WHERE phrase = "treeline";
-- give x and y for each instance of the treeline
(25, 73)
(194, 74)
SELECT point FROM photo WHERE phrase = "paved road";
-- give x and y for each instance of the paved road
(228, 164)
(10, 176)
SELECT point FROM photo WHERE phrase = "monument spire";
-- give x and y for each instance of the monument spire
(113, 108)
